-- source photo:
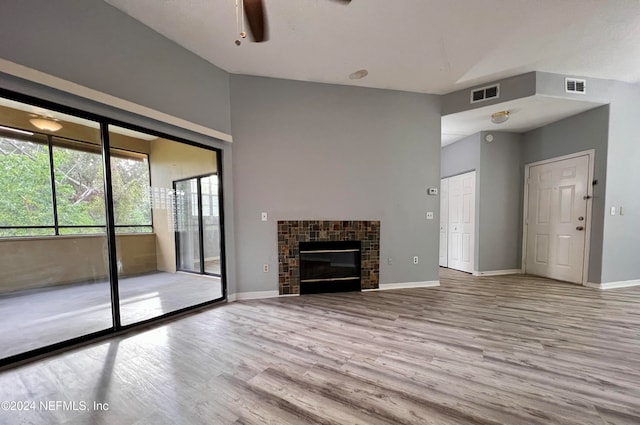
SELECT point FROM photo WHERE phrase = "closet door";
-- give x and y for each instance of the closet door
(455, 226)
(444, 218)
(467, 215)
(462, 222)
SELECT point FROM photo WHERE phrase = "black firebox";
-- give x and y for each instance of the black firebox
(331, 266)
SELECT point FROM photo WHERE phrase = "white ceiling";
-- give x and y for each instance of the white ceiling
(431, 46)
(524, 114)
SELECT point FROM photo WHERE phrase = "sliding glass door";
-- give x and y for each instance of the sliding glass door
(188, 226)
(210, 224)
(88, 220)
(198, 225)
(150, 189)
(54, 274)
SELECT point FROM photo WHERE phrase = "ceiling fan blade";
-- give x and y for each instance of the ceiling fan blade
(255, 12)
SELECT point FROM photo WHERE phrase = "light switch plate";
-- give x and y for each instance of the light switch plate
(264, 216)
(613, 210)
(432, 191)
(429, 215)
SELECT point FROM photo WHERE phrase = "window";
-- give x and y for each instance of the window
(79, 185)
(130, 181)
(210, 196)
(26, 207)
(26, 204)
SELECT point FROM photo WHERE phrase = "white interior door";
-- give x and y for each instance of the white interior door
(444, 218)
(556, 219)
(468, 220)
(462, 191)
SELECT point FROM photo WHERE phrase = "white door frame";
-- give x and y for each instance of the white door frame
(591, 153)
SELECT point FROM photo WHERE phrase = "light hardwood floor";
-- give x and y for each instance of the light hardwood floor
(488, 350)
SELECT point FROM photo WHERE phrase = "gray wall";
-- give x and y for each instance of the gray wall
(620, 259)
(95, 45)
(317, 151)
(588, 130)
(461, 156)
(501, 184)
(498, 215)
(550, 84)
(511, 88)
(617, 238)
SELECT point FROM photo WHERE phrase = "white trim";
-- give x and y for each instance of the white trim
(239, 296)
(613, 285)
(497, 272)
(576, 81)
(484, 89)
(591, 153)
(39, 77)
(405, 285)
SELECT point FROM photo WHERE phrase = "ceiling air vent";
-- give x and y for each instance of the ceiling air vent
(574, 85)
(485, 93)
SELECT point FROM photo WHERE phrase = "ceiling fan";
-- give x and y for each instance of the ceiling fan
(257, 19)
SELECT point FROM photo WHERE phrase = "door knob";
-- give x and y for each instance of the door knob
(580, 228)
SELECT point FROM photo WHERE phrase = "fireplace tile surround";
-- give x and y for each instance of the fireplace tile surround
(292, 232)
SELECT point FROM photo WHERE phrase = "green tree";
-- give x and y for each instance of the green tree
(25, 184)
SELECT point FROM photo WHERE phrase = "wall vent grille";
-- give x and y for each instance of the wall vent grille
(485, 93)
(574, 85)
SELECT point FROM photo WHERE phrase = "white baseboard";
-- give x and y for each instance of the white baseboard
(405, 285)
(497, 272)
(239, 296)
(613, 285)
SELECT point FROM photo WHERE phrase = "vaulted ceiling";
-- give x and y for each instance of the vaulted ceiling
(430, 46)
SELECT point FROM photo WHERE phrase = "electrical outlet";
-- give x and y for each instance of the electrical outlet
(264, 216)
(415, 260)
(429, 215)
(265, 268)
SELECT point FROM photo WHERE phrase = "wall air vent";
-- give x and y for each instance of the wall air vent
(485, 93)
(574, 85)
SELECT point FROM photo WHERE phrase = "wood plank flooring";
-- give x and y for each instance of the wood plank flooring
(487, 350)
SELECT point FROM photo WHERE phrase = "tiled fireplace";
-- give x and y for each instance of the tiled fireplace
(291, 233)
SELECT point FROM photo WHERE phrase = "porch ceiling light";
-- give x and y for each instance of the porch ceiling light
(45, 124)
